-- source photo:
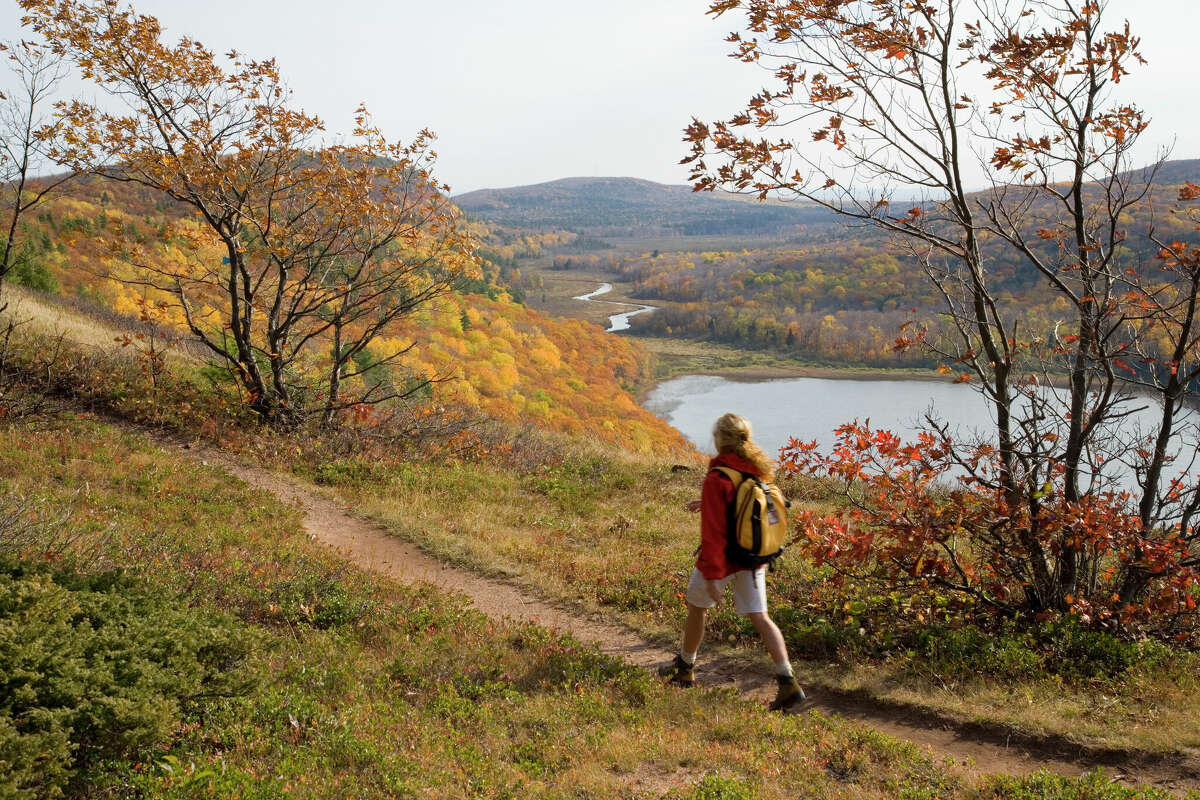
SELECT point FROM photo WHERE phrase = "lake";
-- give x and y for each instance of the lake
(811, 408)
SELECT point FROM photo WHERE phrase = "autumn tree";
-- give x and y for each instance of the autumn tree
(28, 135)
(914, 102)
(306, 249)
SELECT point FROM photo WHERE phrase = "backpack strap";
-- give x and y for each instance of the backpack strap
(737, 477)
(734, 475)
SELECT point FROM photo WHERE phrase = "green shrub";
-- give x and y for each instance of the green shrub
(718, 787)
(1075, 651)
(30, 271)
(348, 472)
(99, 667)
(1062, 647)
(1002, 654)
(319, 598)
(1044, 786)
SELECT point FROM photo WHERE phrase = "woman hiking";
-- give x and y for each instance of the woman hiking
(713, 571)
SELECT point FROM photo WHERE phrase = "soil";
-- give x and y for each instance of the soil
(978, 748)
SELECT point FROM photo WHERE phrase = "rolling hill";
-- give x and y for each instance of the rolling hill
(634, 207)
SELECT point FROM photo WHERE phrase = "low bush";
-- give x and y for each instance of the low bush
(905, 525)
(99, 667)
(1045, 786)
(718, 787)
(929, 633)
(1012, 651)
(319, 598)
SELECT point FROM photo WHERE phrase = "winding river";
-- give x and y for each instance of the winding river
(616, 322)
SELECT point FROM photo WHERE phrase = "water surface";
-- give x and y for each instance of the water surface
(616, 322)
(812, 408)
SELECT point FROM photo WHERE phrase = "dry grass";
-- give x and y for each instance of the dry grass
(608, 532)
(51, 319)
(613, 537)
(365, 688)
(580, 533)
(1148, 710)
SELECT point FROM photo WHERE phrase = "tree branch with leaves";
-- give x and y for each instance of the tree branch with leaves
(307, 248)
(907, 102)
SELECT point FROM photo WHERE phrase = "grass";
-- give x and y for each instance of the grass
(363, 688)
(51, 320)
(366, 688)
(51, 317)
(611, 535)
(601, 530)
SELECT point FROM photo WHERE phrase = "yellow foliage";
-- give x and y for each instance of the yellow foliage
(510, 362)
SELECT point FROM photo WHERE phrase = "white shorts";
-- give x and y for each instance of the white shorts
(749, 590)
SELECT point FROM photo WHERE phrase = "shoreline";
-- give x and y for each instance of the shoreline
(755, 374)
(758, 374)
(761, 374)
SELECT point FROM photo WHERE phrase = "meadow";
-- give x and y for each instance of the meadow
(343, 683)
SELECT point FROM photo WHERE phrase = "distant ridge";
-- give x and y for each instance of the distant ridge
(633, 207)
(636, 207)
(1171, 173)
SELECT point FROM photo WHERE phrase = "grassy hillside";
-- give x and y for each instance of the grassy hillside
(327, 681)
(582, 532)
(337, 682)
(340, 684)
(485, 354)
(603, 530)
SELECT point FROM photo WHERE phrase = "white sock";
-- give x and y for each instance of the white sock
(688, 658)
(784, 669)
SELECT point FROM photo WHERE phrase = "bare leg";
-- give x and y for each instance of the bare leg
(770, 635)
(693, 629)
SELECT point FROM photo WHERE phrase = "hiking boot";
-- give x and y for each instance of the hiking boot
(678, 673)
(789, 696)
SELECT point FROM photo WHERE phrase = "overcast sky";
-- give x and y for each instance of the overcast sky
(525, 91)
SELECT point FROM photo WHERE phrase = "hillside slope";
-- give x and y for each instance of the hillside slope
(486, 354)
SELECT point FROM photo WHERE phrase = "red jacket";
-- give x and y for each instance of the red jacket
(715, 498)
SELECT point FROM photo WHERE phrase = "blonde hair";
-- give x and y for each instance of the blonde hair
(731, 434)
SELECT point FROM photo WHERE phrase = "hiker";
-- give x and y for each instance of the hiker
(714, 571)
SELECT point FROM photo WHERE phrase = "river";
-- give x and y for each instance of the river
(616, 322)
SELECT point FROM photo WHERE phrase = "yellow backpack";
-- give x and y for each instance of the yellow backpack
(756, 521)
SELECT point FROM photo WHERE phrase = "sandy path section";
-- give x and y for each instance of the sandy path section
(977, 748)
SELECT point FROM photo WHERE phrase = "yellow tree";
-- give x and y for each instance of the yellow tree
(322, 246)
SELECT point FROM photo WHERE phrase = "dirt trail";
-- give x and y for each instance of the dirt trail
(977, 747)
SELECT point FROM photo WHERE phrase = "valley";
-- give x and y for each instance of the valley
(318, 480)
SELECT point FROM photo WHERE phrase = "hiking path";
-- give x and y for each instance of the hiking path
(978, 748)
